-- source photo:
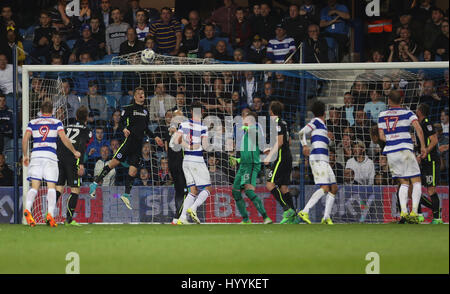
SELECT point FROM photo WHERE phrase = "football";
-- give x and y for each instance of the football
(147, 56)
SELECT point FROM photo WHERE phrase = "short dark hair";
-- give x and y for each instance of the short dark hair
(276, 107)
(138, 89)
(166, 8)
(318, 108)
(82, 113)
(424, 109)
(47, 107)
(395, 96)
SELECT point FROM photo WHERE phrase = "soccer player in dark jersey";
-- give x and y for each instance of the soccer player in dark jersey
(70, 168)
(176, 167)
(280, 171)
(134, 120)
(429, 166)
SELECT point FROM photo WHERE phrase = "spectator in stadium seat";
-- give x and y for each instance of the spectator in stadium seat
(383, 171)
(333, 20)
(427, 56)
(224, 16)
(432, 28)
(344, 149)
(98, 34)
(164, 176)
(93, 150)
(220, 51)
(264, 25)
(349, 108)
(114, 129)
(116, 32)
(104, 159)
(268, 94)
(296, 24)
(284, 90)
(97, 105)
(257, 51)
(422, 12)
(249, 88)
(58, 47)
(142, 27)
(281, 47)
(190, 42)
(405, 36)
(429, 96)
(360, 92)
(150, 43)
(132, 44)
(144, 178)
(376, 55)
(105, 13)
(72, 101)
(362, 165)
(161, 133)
(440, 45)
(149, 161)
(130, 16)
(85, 14)
(181, 105)
(195, 22)
(42, 37)
(337, 168)
(6, 174)
(310, 11)
(13, 38)
(7, 18)
(167, 33)
(6, 122)
(230, 82)
(85, 44)
(209, 42)
(445, 122)
(374, 107)
(160, 103)
(6, 75)
(334, 122)
(259, 107)
(218, 177)
(216, 102)
(362, 126)
(238, 55)
(349, 177)
(400, 53)
(315, 47)
(241, 30)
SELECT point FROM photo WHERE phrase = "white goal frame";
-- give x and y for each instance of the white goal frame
(27, 69)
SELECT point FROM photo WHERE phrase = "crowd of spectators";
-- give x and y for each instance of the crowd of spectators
(259, 33)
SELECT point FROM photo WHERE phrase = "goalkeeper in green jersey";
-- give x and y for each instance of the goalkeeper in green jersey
(249, 167)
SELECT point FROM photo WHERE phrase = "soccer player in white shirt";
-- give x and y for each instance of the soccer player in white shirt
(193, 137)
(44, 162)
(393, 127)
(318, 159)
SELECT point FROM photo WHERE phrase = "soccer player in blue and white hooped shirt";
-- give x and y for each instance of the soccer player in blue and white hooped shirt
(394, 128)
(43, 165)
(318, 160)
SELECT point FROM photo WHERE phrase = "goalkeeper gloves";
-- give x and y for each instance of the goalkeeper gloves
(234, 161)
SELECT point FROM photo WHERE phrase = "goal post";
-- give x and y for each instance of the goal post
(304, 83)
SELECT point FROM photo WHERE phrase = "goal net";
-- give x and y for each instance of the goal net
(354, 95)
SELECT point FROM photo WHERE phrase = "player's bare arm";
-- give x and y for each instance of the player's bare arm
(25, 140)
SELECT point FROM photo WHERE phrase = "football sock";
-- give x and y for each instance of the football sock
(257, 202)
(71, 205)
(435, 205)
(200, 199)
(128, 184)
(329, 205)
(240, 204)
(425, 202)
(403, 197)
(106, 169)
(51, 201)
(416, 194)
(179, 205)
(313, 200)
(30, 198)
(188, 201)
(288, 199)
(279, 197)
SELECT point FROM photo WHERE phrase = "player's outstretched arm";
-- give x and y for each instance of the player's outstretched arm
(68, 144)
(302, 134)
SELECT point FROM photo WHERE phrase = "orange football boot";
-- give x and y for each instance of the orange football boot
(29, 218)
(51, 221)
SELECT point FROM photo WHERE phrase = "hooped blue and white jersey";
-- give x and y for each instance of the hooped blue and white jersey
(192, 134)
(319, 140)
(45, 134)
(396, 124)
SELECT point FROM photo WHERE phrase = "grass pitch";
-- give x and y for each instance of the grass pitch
(225, 249)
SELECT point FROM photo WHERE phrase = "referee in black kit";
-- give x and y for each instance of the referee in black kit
(429, 167)
(134, 121)
(176, 166)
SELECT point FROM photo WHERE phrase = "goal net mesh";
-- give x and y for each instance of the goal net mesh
(353, 98)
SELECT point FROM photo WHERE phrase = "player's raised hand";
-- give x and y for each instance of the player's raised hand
(126, 132)
(26, 161)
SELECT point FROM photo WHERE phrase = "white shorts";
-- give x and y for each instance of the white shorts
(43, 169)
(322, 172)
(403, 164)
(196, 174)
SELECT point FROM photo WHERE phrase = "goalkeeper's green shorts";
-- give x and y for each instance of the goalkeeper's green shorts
(247, 174)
